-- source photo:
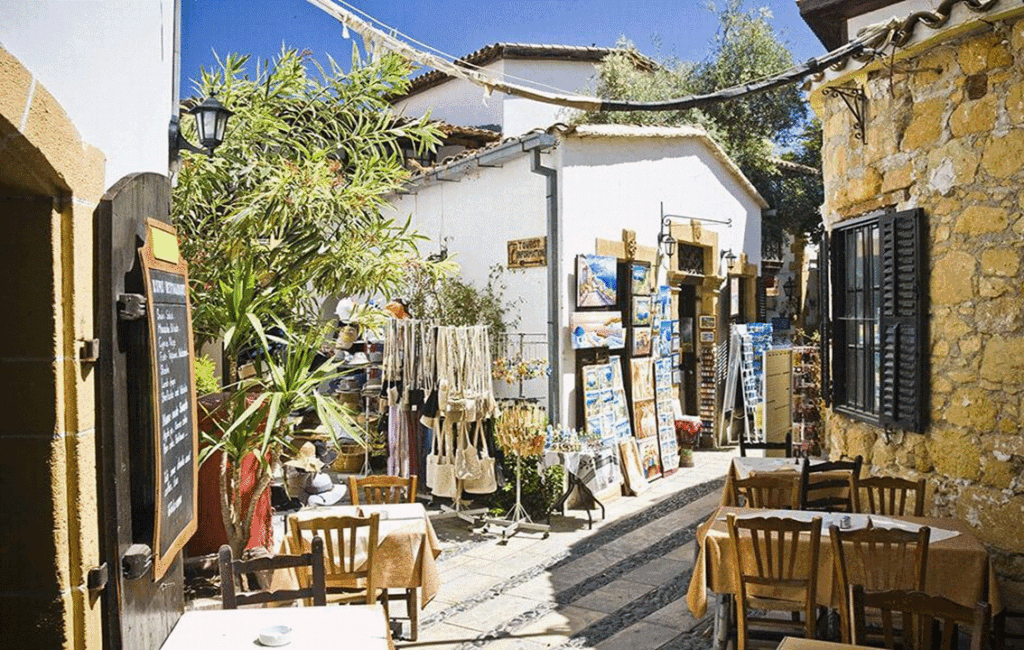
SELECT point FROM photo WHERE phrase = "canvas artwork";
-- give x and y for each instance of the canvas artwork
(636, 482)
(641, 341)
(597, 329)
(707, 322)
(645, 418)
(641, 311)
(642, 380)
(596, 281)
(641, 276)
(707, 336)
(650, 463)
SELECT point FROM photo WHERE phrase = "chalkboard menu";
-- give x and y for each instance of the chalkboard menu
(173, 393)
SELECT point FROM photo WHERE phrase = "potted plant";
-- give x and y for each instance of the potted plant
(263, 419)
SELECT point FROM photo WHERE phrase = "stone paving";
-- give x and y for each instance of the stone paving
(620, 585)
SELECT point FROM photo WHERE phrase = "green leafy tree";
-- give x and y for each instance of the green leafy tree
(292, 207)
(450, 300)
(751, 129)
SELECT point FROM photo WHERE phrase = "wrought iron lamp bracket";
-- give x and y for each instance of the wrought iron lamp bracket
(856, 101)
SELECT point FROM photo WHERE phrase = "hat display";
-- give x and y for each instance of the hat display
(307, 459)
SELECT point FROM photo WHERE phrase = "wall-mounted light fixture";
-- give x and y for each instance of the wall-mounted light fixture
(211, 124)
(730, 258)
(666, 242)
(790, 288)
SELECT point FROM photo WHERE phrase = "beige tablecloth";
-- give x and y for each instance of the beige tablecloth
(745, 467)
(958, 567)
(407, 546)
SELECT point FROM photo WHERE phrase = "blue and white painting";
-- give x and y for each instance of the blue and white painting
(596, 281)
(597, 329)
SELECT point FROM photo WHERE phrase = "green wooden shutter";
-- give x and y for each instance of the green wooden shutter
(903, 336)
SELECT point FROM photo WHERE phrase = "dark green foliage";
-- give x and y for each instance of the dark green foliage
(539, 492)
(450, 300)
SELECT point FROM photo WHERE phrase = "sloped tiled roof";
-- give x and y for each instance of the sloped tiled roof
(495, 51)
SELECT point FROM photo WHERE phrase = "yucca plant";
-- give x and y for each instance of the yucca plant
(264, 417)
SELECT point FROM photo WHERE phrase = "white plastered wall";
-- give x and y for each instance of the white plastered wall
(476, 217)
(610, 183)
(110, 65)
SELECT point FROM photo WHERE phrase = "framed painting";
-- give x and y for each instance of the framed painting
(707, 322)
(707, 336)
(640, 279)
(641, 311)
(597, 329)
(641, 341)
(596, 281)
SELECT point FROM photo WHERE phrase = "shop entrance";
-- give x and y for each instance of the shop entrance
(689, 376)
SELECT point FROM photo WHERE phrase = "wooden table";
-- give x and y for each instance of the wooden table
(313, 628)
(958, 567)
(745, 467)
(800, 643)
(407, 546)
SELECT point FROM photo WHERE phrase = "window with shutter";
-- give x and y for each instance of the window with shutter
(878, 320)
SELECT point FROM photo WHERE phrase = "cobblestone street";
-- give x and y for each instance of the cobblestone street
(620, 585)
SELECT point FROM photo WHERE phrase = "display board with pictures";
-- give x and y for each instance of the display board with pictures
(597, 281)
(667, 445)
(604, 401)
(645, 416)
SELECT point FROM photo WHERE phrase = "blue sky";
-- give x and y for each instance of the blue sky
(684, 28)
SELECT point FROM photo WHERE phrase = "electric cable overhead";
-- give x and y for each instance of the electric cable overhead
(375, 37)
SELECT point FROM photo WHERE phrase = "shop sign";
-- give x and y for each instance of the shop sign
(527, 253)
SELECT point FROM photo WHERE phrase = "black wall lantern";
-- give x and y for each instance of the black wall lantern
(730, 258)
(211, 123)
(666, 242)
(790, 288)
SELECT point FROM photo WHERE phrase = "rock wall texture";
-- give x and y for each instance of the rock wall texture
(945, 132)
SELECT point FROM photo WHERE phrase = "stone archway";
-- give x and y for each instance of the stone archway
(50, 182)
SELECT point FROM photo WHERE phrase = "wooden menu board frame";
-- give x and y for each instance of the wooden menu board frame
(160, 254)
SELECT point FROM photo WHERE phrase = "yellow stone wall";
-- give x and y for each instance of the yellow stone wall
(945, 132)
(50, 183)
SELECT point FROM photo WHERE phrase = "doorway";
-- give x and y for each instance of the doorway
(688, 371)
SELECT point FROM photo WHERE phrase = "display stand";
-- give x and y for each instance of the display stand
(471, 516)
(517, 519)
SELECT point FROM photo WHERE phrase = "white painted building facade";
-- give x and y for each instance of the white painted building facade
(110, 65)
(608, 178)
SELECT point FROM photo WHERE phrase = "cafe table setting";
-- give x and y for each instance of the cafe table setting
(958, 565)
(407, 546)
(296, 628)
(743, 467)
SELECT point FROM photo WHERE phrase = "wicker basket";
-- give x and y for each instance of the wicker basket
(350, 459)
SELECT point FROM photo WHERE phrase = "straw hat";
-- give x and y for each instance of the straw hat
(306, 460)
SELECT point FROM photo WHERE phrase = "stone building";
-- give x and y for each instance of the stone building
(923, 163)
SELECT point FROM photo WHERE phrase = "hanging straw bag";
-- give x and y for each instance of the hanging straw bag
(486, 482)
(440, 468)
(467, 458)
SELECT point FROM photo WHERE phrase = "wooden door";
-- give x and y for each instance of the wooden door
(139, 611)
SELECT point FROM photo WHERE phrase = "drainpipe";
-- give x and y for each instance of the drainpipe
(554, 278)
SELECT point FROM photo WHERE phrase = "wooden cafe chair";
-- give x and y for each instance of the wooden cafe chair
(786, 445)
(232, 570)
(887, 495)
(828, 486)
(389, 489)
(382, 489)
(781, 573)
(347, 581)
(877, 559)
(920, 615)
(765, 491)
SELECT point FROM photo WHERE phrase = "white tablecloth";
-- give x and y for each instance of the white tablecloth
(313, 628)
